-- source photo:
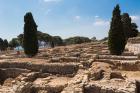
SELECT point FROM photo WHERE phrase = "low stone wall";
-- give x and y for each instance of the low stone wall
(135, 48)
(65, 59)
(109, 87)
(13, 72)
(59, 68)
(114, 57)
(129, 66)
(134, 40)
(53, 68)
(10, 73)
(126, 65)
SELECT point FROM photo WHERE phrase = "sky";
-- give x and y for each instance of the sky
(65, 18)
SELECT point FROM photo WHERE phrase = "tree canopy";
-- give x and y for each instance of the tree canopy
(14, 43)
(76, 40)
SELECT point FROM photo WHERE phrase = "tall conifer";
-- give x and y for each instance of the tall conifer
(116, 41)
(30, 41)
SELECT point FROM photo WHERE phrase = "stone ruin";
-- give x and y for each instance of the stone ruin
(81, 68)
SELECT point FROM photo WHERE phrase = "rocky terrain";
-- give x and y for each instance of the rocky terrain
(83, 68)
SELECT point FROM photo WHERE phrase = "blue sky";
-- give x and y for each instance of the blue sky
(65, 18)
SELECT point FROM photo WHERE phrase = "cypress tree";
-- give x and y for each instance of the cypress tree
(116, 41)
(1, 44)
(5, 42)
(52, 42)
(30, 41)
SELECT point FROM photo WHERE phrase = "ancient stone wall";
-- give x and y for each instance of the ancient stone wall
(53, 68)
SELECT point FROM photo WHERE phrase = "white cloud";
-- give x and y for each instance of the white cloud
(77, 17)
(100, 22)
(96, 16)
(52, 1)
(135, 18)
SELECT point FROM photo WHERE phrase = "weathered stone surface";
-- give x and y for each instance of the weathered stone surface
(54, 68)
(117, 75)
(129, 66)
(22, 87)
(51, 84)
(80, 68)
(111, 86)
(118, 57)
(73, 89)
(5, 89)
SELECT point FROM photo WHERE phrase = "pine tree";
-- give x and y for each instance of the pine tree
(135, 30)
(116, 41)
(30, 41)
(126, 20)
(14, 43)
(130, 29)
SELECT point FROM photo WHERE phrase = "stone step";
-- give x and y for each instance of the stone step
(53, 68)
(124, 54)
(117, 57)
(111, 60)
(65, 59)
